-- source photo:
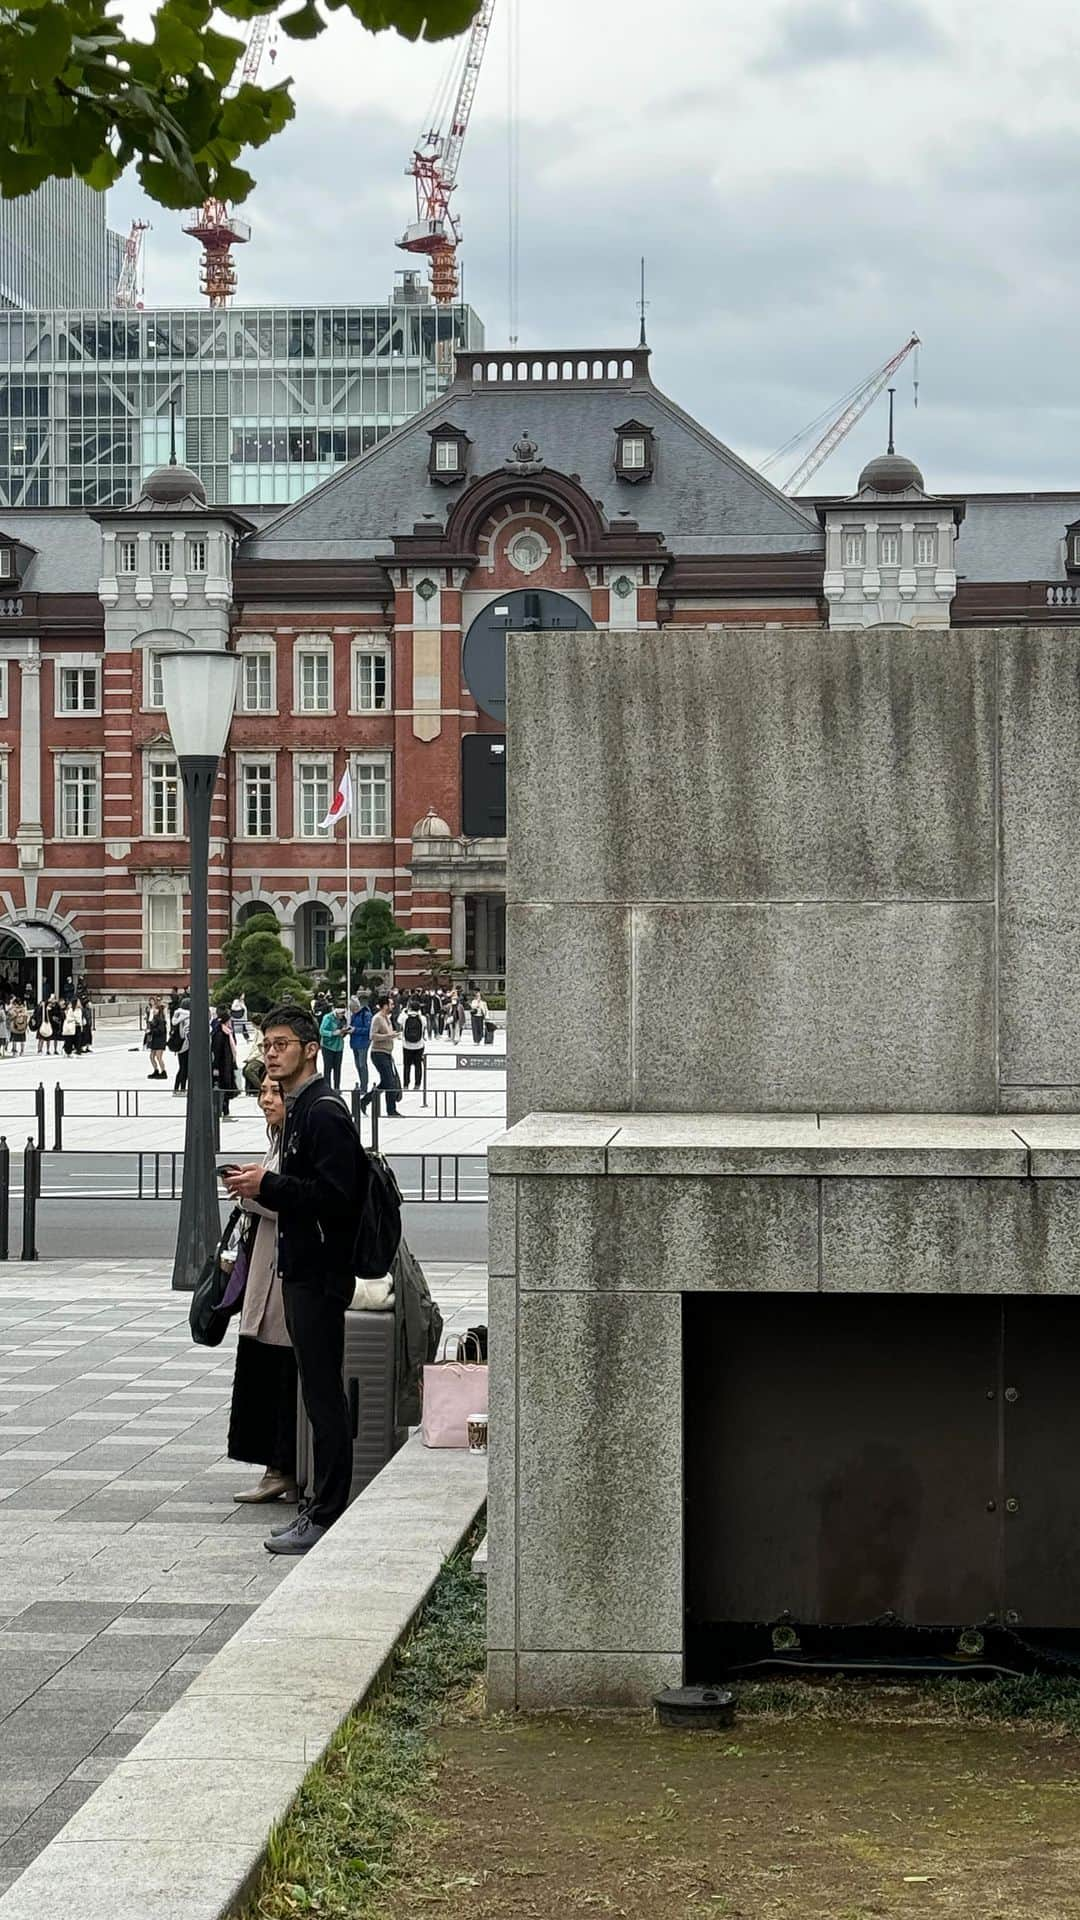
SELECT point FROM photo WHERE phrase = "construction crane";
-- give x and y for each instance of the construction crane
(129, 285)
(852, 407)
(213, 225)
(436, 231)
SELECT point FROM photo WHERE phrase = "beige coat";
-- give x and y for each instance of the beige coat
(262, 1316)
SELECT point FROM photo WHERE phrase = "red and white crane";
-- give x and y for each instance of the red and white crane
(129, 285)
(436, 230)
(853, 406)
(213, 225)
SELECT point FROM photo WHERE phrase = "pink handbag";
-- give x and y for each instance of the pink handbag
(452, 1390)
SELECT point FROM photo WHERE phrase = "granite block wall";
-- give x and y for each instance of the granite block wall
(795, 869)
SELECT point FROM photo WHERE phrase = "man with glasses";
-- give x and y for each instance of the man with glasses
(317, 1196)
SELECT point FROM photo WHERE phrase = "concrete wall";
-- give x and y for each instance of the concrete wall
(794, 870)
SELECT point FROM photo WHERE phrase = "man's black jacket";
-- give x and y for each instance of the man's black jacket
(320, 1192)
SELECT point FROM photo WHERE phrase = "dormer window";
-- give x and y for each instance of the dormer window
(1072, 548)
(634, 451)
(448, 454)
(7, 564)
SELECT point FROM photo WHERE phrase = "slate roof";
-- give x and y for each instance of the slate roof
(68, 543)
(1015, 536)
(701, 496)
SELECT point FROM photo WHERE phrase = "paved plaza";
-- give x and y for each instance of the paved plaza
(118, 1061)
(124, 1562)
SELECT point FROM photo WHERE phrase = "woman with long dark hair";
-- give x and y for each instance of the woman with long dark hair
(262, 1419)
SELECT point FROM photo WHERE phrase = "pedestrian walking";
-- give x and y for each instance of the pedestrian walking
(154, 1039)
(381, 1054)
(262, 1416)
(359, 1037)
(177, 1043)
(318, 1196)
(19, 1017)
(238, 1014)
(332, 1030)
(412, 1045)
(478, 1013)
(223, 1059)
(456, 1017)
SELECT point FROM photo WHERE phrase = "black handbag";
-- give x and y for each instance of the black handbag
(210, 1313)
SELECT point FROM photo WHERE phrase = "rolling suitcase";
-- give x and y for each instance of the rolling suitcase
(370, 1389)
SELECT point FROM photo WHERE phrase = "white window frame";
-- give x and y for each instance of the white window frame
(75, 663)
(892, 535)
(162, 553)
(302, 911)
(65, 762)
(303, 647)
(197, 553)
(173, 964)
(928, 534)
(853, 547)
(7, 564)
(362, 823)
(156, 758)
(368, 650)
(124, 547)
(325, 762)
(447, 456)
(633, 451)
(248, 651)
(4, 770)
(3, 689)
(151, 671)
(244, 763)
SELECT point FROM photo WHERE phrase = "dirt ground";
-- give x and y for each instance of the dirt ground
(776, 1819)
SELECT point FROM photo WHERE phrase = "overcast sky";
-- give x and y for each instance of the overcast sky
(810, 180)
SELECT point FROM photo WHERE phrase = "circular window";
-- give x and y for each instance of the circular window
(483, 655)
(527, 550)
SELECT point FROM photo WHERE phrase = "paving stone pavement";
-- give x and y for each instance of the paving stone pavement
(124, 1562)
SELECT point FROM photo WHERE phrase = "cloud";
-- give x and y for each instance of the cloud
(813, 32)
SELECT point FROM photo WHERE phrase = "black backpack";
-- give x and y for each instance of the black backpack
(378, 1230)
(414, 1027)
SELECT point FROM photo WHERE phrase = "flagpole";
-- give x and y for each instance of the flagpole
(348, 894)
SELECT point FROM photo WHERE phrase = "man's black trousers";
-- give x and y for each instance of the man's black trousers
(315, 1318)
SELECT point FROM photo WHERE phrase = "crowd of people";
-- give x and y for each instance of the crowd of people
(369, 1028)
(58, 1022)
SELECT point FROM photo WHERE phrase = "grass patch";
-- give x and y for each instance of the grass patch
(343, 1844)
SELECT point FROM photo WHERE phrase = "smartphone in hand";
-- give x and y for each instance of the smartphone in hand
(224, 1172)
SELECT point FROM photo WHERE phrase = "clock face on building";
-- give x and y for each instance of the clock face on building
(483, 655)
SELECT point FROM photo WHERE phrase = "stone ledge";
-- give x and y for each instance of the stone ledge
(904, 1145)
(179, 1828)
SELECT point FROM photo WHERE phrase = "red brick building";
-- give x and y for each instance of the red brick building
(562, 489)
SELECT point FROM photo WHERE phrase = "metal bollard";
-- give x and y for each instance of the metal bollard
(5, 1195)
(423, 1080)
(58, 1118)
(39, 1111)
(357, 1110)
(376, 1101)
(31, 1189)
(218, 1104)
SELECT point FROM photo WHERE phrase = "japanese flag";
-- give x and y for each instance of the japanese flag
(341, 803)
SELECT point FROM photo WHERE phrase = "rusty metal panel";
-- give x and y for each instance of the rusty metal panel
(842, 1458)
(1041, 1404)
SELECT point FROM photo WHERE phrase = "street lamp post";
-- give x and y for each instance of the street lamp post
(199, 685)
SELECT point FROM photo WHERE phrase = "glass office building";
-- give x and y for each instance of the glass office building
(56, 249)
(268, 400)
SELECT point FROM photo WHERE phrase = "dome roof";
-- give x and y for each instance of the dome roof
(431, 827)
(890, 473)
(172, 486)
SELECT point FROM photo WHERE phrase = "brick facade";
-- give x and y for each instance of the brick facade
(350, 611)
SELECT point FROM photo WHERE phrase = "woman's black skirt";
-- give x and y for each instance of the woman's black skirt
(262, 1419)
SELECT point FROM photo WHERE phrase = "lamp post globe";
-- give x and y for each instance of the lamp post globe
(199, 686)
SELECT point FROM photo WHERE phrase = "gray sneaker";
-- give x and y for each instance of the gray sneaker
(286, 1526)
(299, 1538)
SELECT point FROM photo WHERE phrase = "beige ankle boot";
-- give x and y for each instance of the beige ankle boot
(272, 1486)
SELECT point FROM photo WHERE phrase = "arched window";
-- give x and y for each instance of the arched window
(313, 927)
(249, 910)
